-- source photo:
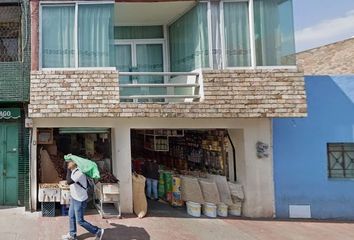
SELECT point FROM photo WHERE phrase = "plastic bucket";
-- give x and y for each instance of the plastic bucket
(222, 210)
(235, 209)
(209, 210)
(193, 209)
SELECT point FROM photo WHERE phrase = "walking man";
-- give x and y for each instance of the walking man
(78, 190)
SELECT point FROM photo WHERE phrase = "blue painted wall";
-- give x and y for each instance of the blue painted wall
(300, 150)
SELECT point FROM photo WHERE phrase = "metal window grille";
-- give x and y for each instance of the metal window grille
(340, 160)
(10, 31)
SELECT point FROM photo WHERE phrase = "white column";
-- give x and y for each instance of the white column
(258, 182)
(122, 166)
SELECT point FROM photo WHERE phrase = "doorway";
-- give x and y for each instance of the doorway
(8, 163)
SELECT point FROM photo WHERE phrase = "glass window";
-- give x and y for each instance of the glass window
(58, 48)
(236, 34)
(138, 32)
(94, 35)
(340, 160)
(274, 32)
(10, 29)
(95, 31)
(189, 40)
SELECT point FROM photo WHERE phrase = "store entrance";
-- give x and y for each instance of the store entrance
(53, 144)
(182, 165)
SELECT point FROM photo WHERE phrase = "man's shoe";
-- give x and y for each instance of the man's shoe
(68, 237)
(99, 234)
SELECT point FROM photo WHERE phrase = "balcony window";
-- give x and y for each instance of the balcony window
(138, 32)
(76, 35)
(237, 34)
(189, 49)
(140, 49)
(10, 31)
(274, 32)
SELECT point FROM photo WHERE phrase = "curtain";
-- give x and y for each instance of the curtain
(149, 58)
(216, 37)
(274, 32)
(123, 61)
(58, 50)
(95, 34)
(237, 37)
(189, 40)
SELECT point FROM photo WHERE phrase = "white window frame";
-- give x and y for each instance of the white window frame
(76, 5)
(252, 40)
(134, 42)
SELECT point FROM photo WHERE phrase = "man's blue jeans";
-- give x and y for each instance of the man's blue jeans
(151, 186)
(76, 214)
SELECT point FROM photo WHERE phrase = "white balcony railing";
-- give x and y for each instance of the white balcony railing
(161, 87)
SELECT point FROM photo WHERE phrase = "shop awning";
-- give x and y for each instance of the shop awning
(83, 130)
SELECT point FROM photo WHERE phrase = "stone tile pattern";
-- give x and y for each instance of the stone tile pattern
(73, 93)
(227, 94)
(332, 59)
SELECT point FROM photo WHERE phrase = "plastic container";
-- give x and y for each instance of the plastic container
(222, 210)
(209, 210)
(193, 209)
(235, 209)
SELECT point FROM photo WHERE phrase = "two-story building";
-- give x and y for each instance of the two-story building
(110, 69)
(14, 98)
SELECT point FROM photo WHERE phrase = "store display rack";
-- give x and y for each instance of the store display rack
(107, 199)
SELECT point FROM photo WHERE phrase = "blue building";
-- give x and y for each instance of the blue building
(314, 156)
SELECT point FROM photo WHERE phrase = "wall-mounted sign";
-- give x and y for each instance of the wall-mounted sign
(10, 113)
(262, 150)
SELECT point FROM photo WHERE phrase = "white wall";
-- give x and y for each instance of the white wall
(256, 174)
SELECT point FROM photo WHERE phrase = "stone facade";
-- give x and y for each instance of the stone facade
(332, 59)
(74, 93)
(227, 94)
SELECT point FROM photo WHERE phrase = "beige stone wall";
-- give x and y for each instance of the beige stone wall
(332, 59)
(73, 93)
(228, 94)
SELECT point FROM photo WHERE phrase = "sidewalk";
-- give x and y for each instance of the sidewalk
(15, 224)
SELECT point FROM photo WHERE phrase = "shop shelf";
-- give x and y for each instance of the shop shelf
(107, 199)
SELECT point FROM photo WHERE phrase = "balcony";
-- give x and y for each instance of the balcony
(174, 87)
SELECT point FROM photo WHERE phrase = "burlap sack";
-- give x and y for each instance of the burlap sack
(48, 172)
(236, 190)
(139, 199)
(190, 190)
(223, 188)
(210, 191)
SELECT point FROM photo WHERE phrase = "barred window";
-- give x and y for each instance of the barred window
(340, 160)
(10, 30)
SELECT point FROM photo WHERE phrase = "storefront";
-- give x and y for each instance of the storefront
(126, 137)
(54, 145)
(13, 157)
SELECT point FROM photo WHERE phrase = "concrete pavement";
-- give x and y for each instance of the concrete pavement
(15, 224)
